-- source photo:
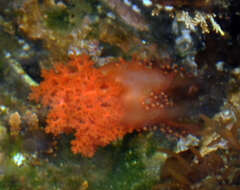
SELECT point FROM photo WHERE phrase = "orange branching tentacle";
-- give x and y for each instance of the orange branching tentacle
(82, 100)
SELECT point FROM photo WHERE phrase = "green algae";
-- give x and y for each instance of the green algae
(10, 183)
(40, 176)
(133, 163)
(24, 170)
(69, 17)
(127, 165)
(58, 19)
(1, 68)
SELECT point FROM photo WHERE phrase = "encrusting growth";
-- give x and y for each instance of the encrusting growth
(102, 105)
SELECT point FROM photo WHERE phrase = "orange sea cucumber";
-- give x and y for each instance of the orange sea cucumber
(102, 105)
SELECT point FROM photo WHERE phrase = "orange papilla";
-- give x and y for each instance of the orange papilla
(84, 101)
